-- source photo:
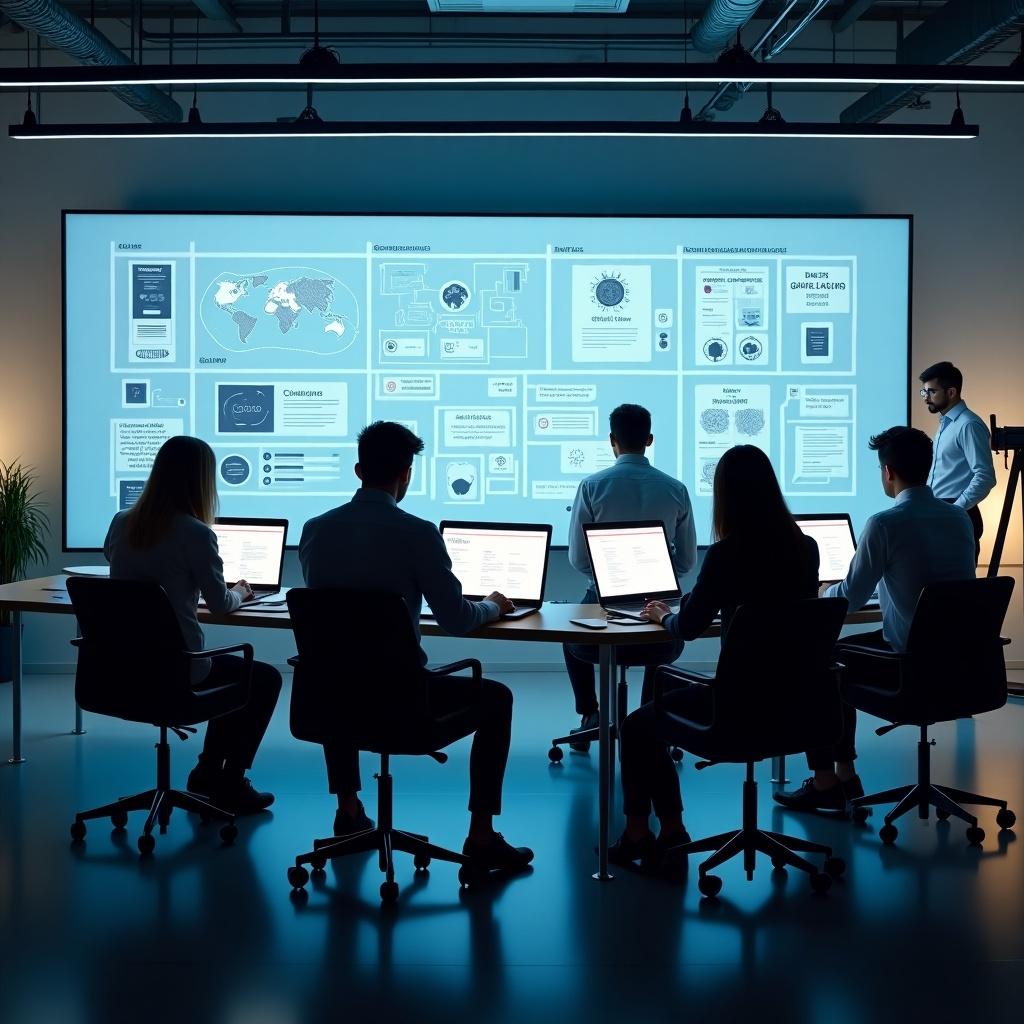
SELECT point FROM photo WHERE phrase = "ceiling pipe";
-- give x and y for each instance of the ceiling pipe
(219, 10)
(853, 10)
(720, 22)
(77, 38)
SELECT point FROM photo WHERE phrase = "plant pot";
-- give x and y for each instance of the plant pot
(7, 652)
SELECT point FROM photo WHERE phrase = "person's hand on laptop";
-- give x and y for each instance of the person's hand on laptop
(656, 611)
(243, 590)
(824, 585)
(504, 604)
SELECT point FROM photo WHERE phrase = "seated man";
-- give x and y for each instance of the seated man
(920, 540)
(631, 489)
(371, 544)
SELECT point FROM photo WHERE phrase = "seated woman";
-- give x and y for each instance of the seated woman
(759, 553)
(166, 537)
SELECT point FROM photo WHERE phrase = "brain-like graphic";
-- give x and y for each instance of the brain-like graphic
(714, 421)
(610, 292)
(707, 471)
(750, 422)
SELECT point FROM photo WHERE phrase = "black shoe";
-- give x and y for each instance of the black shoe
(203, 780)
(666, 857)
(241, 797)
(626, 852)
(497, 855)
(346, 824)
(588, 721)
(807, 798)
(852, 788)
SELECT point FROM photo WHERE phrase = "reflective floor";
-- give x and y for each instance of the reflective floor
(205, 933)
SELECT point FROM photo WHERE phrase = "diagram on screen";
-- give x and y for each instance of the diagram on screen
(818, 427)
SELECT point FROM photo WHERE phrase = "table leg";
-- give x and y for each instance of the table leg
(605, 758)
(78, 730)
(16, 757)
(779, 771)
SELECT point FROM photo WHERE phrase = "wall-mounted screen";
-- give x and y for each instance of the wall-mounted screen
(503, 341)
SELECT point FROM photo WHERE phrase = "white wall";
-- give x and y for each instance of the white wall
(965, 196)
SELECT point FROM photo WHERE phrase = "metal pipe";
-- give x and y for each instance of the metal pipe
(720, 22)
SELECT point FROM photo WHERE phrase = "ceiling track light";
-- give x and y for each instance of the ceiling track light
(314, 127)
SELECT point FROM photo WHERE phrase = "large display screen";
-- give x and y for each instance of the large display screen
(503, 341)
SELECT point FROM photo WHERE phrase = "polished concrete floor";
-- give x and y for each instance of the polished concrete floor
(205, 933)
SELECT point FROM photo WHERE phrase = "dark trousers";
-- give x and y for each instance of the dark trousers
(974, 514)
(487, 758)
(236, 736)
(580, 660)
(824, 758)
(648, 773)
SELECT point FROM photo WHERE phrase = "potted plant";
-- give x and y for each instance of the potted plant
(23, 526)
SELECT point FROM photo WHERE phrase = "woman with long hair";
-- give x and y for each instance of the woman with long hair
(166, 538)
(758, 553)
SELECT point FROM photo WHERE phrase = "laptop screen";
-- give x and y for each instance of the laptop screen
(631, 561)
(253, 550)
(836, 543)
(509, 558)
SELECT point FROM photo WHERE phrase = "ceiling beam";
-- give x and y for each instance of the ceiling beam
(849, 14)
(219, 10)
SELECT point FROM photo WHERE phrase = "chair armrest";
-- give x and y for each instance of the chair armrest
(665, 674)
(294, 661)
(215, 652)
(870, 652)
(460, 666)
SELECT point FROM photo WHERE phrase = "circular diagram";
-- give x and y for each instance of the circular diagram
(461, 479)
(609, 290)
(455, 295)
(750, 348)
(234, 470)
(715, 350)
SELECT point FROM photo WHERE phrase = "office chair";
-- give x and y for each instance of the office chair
(358, 678)
(132, 664)
(775, 692)
(953, 667)
(625, 659)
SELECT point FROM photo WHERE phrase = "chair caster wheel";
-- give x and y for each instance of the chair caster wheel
(941, 814)
(298, 876)
(318, 863)
(1006, 818)
(821, 882)
(859, 815)
(119, 819)
(779, 863)
(469, 877)
(835, 867)
(709, 885)
(77, 831)
(975, 835)
(147, 844)
(555, 754)
(421, 861)
(228, 833)
(388, 892)
(888, 833)
(677, 754)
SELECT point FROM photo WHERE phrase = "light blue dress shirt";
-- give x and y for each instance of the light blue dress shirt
(962, 460)
(371, 544)
(920, 540)
(632, 489)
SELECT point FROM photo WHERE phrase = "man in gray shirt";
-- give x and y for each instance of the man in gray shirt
(371, 544)
(630, 489)
(919, 540)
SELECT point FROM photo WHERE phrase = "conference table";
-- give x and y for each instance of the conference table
(552, 624)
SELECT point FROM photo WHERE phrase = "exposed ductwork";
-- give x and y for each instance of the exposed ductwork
(77, 38)
(957, 33)
(720, 22)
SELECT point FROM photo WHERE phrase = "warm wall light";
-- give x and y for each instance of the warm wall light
(493, 129)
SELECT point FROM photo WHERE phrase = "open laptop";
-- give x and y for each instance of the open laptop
(837, 544)
(511, 558)
(253, 550)
(632, 564)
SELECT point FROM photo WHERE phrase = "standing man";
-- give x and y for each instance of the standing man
(962, 472)
(631, 489)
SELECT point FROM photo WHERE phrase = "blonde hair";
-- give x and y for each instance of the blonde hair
(183, 481)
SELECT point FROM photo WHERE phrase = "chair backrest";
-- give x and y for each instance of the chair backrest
(776, 690)
(359, 673)
(954, 660)
(131, 653)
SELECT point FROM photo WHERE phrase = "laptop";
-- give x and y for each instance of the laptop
(632, 564)
(837, 544)
(253, 550)
(511, 558)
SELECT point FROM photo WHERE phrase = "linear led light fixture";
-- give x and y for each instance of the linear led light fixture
(613, 75)
(492, 129)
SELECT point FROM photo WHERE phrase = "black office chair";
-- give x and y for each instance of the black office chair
(953, 668)
(358, 678)
(132, 664)
(775, 692)
(640, 656)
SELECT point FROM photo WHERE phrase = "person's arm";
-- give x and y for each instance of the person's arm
(443, 591)
(976, 446)
(208, 571)
(304, 542)
(579, 556)
(866, 568)
(698, 609)
(685, 540)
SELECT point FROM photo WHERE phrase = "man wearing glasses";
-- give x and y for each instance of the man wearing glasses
(962, 471)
